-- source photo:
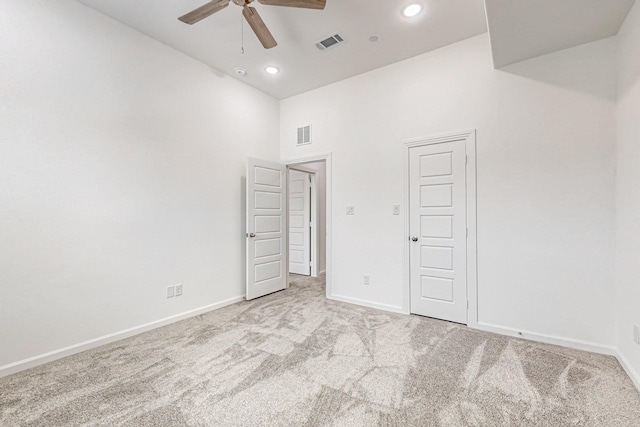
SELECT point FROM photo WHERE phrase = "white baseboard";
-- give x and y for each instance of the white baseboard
(548, 339)
(633, 374)
(31, 362)
(106, 339)
(365, 303)
(532, 336)
(566, 342)
(322, 273)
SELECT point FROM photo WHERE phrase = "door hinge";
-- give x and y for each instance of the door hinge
(310, 263)
(311, 225)
(467, 232)
(466, 159)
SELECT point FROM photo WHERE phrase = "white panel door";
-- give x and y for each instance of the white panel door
(438, 228)
(266, 228)
(299, 223)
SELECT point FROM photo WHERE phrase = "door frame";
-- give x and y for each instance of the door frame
(326, 157)
(315, 237)
(469, 137)
(315, 229)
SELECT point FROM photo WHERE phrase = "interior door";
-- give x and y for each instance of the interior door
(299, 223)
(438, 227)
(266, 228)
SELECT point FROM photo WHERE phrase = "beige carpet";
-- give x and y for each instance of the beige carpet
(296, 359)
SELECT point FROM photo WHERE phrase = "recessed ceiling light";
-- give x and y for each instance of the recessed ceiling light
(272, 70)
(412, 10)
(240, 71)
(374, 39)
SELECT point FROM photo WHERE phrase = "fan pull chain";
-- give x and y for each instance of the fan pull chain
(241, 35)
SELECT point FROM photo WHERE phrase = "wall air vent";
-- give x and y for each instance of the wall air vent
(330, 42)
(304, 135)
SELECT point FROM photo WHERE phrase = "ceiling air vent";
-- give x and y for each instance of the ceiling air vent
(304, 135)
(331, 41)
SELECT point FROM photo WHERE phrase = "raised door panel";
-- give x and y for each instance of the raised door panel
(437, 216)
(266, 232)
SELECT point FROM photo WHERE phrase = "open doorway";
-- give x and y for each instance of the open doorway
(307, 220)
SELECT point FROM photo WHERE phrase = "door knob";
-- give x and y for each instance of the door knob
(415, 239)
(252, 234)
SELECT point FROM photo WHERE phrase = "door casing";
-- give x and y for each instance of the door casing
(326, 157)
(469, 136)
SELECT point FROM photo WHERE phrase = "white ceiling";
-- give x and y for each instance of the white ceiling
(216, 41)
(525, 29)
(519, 30)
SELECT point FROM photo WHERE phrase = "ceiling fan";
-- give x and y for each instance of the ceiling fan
(250, 14)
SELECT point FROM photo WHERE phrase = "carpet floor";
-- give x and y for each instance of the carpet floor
(295, 358)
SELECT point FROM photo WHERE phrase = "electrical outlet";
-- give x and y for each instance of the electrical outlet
(636, 334)
(178, 290)
(171, 291)
(366, 280)
(351, 210)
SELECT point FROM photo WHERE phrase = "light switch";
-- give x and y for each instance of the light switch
(396, 209)
(351, 210)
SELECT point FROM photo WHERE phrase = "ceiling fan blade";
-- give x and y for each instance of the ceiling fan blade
(307, 4)
(257, 25)
(204, 11)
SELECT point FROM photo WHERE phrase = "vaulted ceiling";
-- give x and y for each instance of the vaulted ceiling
(525, 29)
(376, 33)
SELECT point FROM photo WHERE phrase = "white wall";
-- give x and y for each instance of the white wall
(546, 132)
(320, 169)
(628, 191)
(121, 165)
